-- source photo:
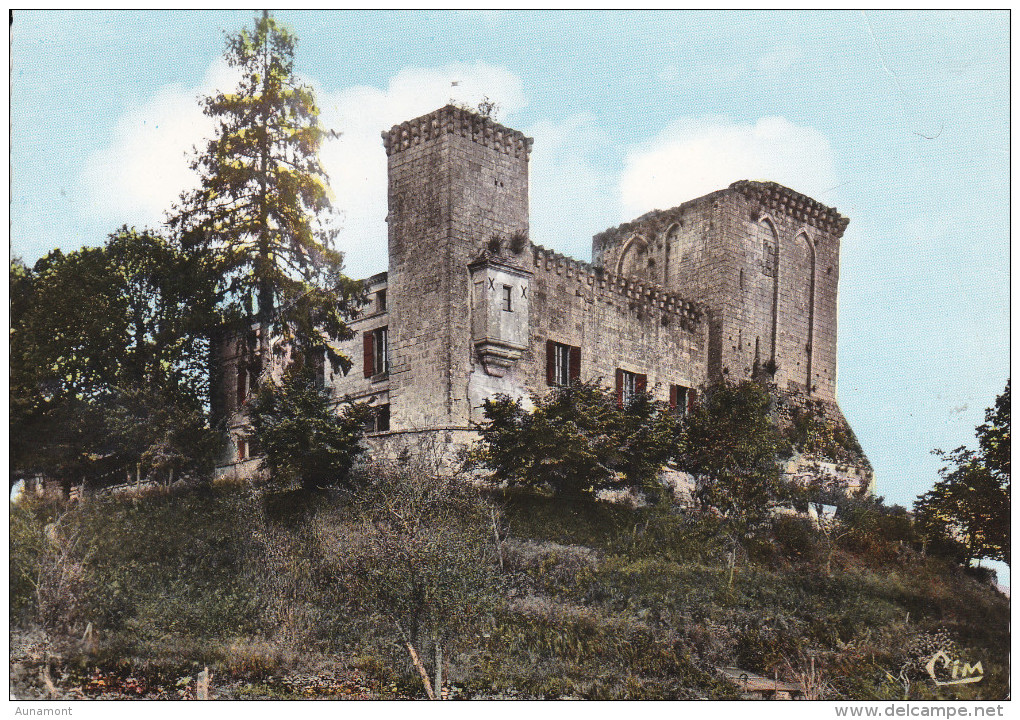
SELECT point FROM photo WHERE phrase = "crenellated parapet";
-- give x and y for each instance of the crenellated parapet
(646, 294)
(792, 203)
(454, 120)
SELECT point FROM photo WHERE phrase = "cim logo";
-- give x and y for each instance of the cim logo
(948, 671)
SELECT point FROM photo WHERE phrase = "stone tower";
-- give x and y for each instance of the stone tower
(764, 260)
(457, 182)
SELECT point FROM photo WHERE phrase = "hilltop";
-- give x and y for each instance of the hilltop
(284, 593)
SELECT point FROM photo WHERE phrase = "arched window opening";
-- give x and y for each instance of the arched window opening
(770, 248)
(633, 260)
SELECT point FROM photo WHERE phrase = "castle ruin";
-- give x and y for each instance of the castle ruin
(739, 283)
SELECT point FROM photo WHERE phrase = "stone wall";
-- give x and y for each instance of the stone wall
(738, 283)
(764, 260)
(457, 180)
(615, 322)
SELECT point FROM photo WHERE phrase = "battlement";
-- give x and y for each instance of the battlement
(454, 120)
(646, 293)
(801, 207)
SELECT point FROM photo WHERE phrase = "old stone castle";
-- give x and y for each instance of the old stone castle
(740, 282)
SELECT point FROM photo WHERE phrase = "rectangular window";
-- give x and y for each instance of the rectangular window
(380, 301)
(629, 384)
(679, 398)
(242, 448)
(508, 295)
(382, 419)
(562, 364)
(379, 420)
(376, 352)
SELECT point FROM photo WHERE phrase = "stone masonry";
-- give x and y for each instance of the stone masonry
(739, 283)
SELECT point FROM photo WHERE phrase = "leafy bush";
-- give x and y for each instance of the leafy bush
(28, 548)
(797, 539)
(732, 447)
(577, 441)
(302, 436)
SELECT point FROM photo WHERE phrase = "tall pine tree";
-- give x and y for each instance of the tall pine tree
(264, 203)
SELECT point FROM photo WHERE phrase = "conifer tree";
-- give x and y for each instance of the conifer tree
(264, 203)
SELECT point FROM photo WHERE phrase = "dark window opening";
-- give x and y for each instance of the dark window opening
(376, 348)
(508, 293)
(247, 379)
(382, 419)
(380, 301)
(379, 420)
(680, 398)
(242, 384)
(562, 364)
(769, 248)
(629, 385)
(242, 448)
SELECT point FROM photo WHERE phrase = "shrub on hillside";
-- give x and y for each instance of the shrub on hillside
(181, 564)
(423, 560)
(731, 446)
(578, 440)
(302, 436)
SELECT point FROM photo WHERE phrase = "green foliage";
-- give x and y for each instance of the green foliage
(970, 503)
(594, 601)
(993, 436)
(262, 207)
(796, 538)
(300, 434)
(176, 564)
(425, 561)
(28, 520)
(577, 441)
(967, 504)
(108, 362)
(811, 431)
(731, 446)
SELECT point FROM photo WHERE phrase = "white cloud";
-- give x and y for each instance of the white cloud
(669, 74)
(143, 171)
(356, 162)
(695, 156)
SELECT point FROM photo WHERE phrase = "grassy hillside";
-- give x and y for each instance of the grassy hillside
(294, 594)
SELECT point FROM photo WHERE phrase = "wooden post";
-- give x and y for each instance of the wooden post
(438, 691)
(202, 685)
(499, 543)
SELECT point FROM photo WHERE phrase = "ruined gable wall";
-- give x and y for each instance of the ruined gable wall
(807, 273)
(711, 249)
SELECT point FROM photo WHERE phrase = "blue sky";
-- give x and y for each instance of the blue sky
(898, 119)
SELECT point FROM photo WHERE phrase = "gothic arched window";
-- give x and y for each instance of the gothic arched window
(769, 248)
